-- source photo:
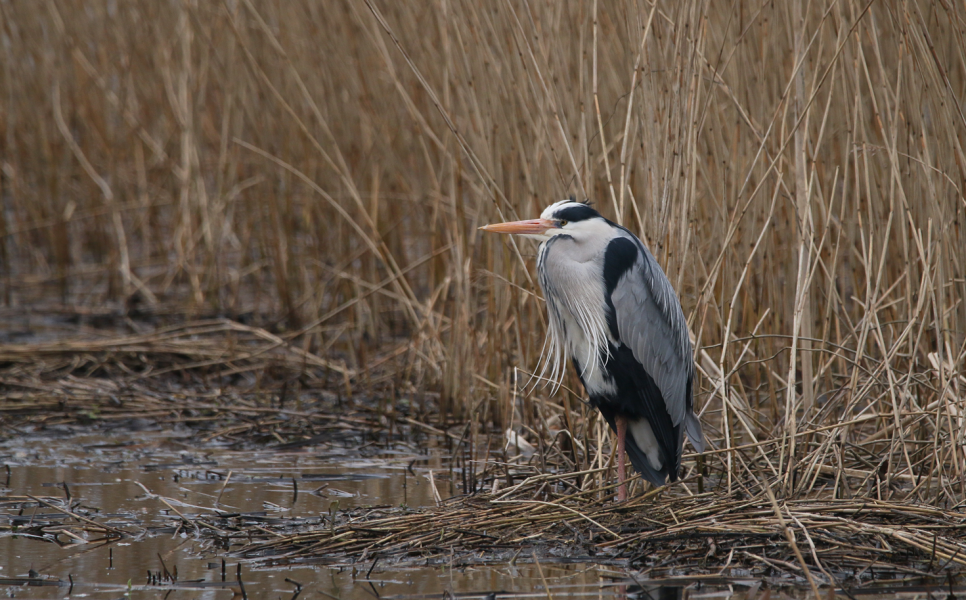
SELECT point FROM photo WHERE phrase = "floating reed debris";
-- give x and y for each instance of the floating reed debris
(661, 533)
(56, 520)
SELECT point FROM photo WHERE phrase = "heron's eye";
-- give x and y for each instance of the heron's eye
(561, 223)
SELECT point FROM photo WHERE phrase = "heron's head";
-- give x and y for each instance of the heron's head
(567, 217)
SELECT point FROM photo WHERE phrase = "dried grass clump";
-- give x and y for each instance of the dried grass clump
(797, 167)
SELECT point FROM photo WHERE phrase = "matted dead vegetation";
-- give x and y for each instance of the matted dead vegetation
(218, 380)
(318, 171)
(837, 543)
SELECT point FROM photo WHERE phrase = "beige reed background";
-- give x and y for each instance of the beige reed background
(321, 168)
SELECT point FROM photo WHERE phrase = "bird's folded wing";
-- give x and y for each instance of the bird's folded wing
(651, 323)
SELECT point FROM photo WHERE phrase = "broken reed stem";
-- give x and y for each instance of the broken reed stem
(546, 587)
(790, 536)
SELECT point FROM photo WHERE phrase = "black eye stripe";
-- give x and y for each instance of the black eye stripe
(576, 213)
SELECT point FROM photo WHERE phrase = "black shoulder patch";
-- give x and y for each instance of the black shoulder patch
(620, 256)
(576, 213)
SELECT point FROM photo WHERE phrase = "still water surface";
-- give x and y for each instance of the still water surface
(123, 474)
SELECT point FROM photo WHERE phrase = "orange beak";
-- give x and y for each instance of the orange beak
(532, 227)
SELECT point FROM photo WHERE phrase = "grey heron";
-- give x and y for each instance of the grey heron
(614, 313)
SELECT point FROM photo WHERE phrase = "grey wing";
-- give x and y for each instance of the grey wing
(651, 323)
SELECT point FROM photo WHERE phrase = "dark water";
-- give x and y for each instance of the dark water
(126, 474)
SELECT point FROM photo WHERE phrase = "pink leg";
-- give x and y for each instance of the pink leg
(621, 475)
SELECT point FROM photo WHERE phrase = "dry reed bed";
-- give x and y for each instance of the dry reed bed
(844, 512)
(862, 502)
(660, 533)
(227, 380)
(226, 348)
(220, 371)
(797, 167)
(843, 515)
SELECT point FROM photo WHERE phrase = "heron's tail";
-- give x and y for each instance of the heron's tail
(692, 426)
(643, 465)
